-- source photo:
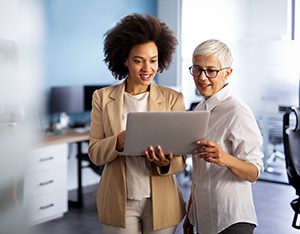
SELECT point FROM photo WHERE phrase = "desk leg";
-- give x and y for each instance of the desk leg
(79, 176)
(79, 202)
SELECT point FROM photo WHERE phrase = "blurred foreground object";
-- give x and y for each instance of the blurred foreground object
(21, 38)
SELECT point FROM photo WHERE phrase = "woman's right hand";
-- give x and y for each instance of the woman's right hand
(187, 226)
(159, 158)
(120, 141)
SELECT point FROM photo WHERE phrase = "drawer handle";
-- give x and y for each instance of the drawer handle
(46, 207)
(46, 159)
(46, 182)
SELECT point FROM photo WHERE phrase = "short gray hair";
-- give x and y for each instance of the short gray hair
(217, 49)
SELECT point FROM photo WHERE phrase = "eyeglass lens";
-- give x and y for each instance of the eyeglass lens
(209, 73)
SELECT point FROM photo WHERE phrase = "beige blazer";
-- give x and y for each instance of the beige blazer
(167, 203)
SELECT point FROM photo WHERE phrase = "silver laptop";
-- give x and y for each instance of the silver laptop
(176, 132)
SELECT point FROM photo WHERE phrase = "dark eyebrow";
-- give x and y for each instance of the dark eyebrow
(139, 57)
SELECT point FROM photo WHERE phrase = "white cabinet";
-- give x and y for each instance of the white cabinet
(45, 184)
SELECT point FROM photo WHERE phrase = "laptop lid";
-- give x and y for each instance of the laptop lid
(176, 132)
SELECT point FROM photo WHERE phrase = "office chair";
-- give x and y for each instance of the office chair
(291, 140)
(275, 137)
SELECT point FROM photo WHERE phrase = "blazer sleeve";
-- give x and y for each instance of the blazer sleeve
(101, 147)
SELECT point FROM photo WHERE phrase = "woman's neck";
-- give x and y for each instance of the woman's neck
(135, 89)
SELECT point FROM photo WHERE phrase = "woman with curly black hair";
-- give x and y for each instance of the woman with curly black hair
(136, 194)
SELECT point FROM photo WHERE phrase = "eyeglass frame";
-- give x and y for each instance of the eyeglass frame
(205, 70)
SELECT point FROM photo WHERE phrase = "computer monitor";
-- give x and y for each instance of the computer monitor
(71, 99)
(88, 95)
(68, 99)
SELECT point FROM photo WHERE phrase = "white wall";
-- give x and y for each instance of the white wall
(269, 19)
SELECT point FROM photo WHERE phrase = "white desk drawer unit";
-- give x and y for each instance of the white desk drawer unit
(47, 157)
(47, 207)
(45, 185)
(45, 182)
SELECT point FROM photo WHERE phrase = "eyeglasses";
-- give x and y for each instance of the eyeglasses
(209, 72)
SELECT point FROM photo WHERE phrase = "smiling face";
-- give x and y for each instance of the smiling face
(208, 87)
(142, 64)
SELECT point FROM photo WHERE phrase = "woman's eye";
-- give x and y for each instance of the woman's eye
(210, 71)
(197, 69)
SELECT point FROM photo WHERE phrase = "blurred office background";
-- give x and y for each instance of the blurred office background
(51, 45)
(263, 36)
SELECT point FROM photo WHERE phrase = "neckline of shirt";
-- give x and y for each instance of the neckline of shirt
(137, 97)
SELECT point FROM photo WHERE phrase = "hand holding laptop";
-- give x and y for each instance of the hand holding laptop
(158, 156)
(153, 153)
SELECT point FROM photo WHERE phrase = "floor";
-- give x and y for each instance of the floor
(274, 163)
(272, 203)
(275, 171)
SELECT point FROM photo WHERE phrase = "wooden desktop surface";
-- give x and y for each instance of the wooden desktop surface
(64, 136)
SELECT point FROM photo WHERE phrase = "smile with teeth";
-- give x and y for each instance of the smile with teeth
(145, 77)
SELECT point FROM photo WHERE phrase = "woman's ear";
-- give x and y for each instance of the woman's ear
(126, 63)
(228, 72)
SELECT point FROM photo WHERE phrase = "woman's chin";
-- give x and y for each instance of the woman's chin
(146, 81)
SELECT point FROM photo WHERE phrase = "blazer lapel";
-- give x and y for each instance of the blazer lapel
(116, 103)
(115, 107)
(156, 99)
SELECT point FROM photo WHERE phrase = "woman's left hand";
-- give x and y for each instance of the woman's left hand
(211, 152)
(158, 157)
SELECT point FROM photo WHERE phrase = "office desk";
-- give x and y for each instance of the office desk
(45, 185)
(71, 136)
(66, 136)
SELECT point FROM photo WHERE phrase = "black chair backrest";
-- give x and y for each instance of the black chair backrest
(291, 139)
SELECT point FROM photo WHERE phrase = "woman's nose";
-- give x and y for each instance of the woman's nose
(146, 66)
(202, 76)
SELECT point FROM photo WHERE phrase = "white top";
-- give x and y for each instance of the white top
(137, 172)
(219, 198)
